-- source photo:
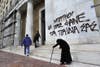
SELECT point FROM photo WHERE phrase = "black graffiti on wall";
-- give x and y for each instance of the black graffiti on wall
(85, 26)
(53, 33)
(78, 19)
(68, 30)
(72, 24)
(63, 17)
(59, 25)
(49, 27)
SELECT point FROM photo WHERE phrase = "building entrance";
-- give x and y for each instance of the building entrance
(43, 26)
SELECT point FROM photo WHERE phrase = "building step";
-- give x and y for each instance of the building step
(83, 54)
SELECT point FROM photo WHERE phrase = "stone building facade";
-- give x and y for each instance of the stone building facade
(7, 26)
(16, 20)
(77, 22)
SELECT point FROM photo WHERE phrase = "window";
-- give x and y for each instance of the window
(6, 9)
(10, 3)
(6, 1)
(97, 7)
(16, 2)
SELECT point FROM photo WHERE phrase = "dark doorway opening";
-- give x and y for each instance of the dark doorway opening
(43, 27)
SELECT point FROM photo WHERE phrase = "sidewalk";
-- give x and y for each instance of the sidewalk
(37, 53)
(14, 60)
(44, 52)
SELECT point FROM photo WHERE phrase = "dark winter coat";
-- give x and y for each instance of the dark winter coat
(36, 37)
(27, 41)
(65, 53)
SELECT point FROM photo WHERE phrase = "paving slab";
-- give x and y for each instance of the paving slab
(13, 60)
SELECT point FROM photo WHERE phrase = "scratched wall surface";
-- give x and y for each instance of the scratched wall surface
(75, 21)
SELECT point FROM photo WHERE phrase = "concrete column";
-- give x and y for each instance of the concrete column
(29, 19)
(17, 28)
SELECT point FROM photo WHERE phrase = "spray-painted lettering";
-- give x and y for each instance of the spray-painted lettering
(84, 27)
(67, 24)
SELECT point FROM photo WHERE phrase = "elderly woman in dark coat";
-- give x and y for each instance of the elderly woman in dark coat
(65, 53)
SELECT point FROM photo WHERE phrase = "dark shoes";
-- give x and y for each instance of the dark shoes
(64, 63)
(27, 55)
(36, 46)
